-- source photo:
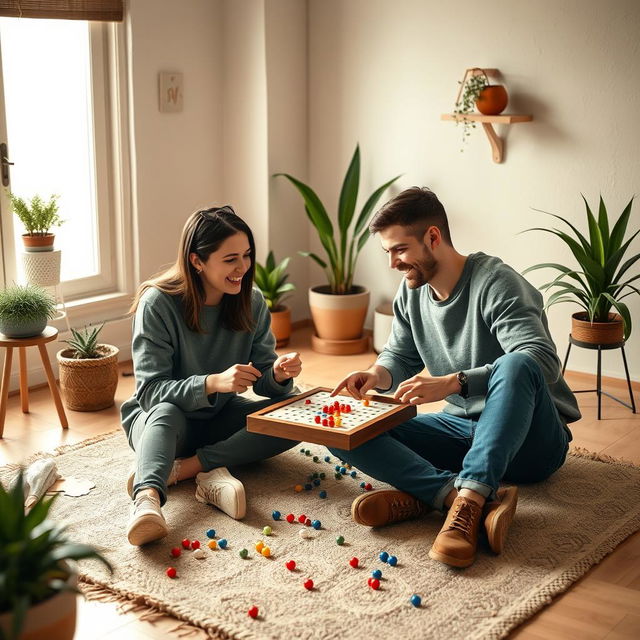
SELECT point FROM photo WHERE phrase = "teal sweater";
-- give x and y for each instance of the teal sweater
(171, 362)
(491, 311)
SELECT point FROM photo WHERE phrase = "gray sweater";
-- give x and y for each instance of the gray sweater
(171, 362)
(492, 310)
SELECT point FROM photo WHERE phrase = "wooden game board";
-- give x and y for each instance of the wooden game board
(294, 419)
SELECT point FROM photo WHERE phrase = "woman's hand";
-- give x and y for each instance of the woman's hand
(287, 366)
(236, 379)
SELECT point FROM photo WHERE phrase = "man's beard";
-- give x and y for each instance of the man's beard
(422, 271)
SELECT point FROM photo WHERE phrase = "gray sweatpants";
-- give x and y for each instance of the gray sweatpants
(164, 433)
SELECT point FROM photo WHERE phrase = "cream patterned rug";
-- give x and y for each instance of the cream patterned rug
(562, 527)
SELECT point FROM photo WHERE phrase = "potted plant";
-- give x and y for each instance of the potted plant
(24, 311)
(88, 371)
(38, 217)
(601, 280)
(271, 279)
(339, 308)
(476, 91)
(37, 573)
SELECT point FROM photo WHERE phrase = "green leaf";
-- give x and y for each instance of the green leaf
(308, 254)
(349, 193)
(623, 310)
(603, 223)
(597, 247)
(581, 238)
(620, 228)
(363, 218)
(270, 265)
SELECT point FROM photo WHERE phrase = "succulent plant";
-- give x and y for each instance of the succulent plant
(84, 342)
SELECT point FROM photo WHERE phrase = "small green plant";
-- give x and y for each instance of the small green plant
(24, 304)
(36, 216)
(271, 279)
(600, 282)
(471, 87)
(343, 254)
(84, 342)
(33, 552)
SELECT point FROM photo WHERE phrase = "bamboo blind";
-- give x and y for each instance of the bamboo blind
(105, 10)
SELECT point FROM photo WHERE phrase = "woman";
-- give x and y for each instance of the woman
(201, 335)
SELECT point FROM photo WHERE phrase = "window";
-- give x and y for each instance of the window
(63, 125)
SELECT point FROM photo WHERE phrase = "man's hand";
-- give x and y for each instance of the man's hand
(287, 366)
(357, 383)
(236, 379)
(421, 389)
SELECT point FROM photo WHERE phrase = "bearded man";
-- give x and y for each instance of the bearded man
(480, 330)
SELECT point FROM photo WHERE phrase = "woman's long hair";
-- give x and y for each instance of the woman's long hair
(203, 233)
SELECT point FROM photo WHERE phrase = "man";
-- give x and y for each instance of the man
(480, 330)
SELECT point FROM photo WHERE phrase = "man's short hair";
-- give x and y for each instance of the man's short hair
(417, 208)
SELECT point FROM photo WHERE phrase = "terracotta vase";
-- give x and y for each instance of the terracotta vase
(611, 332)
(493, 99)
(38, 243)
(281, 325)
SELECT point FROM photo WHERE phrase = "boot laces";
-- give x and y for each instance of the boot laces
(463, 518)
(404, 509)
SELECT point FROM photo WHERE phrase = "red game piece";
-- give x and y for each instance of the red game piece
(290, 518)
(307, 401)
(253, 612)
(336, 404)
(354, 562)
(368, 486)
(302, 518)
(325, 409)
(186, 543)
(308, 522)
(175, 552)
(374, 583)
(171, 572)
(318, 419)
(308, 584)
(195, 544)
(325, 423)
(291, 565)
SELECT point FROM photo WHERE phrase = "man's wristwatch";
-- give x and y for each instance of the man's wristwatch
(463, 382)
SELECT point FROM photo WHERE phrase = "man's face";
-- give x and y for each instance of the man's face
(409, 255)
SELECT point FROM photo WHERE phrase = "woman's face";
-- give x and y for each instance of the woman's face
(225, 268)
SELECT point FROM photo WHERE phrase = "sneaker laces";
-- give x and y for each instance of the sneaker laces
(175, 472)
(144, 501)
(212, 492)
(463, 518)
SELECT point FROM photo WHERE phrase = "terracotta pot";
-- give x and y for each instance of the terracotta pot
(493, 99)
(338, 317)
(281, 325)
(610, 332)
(38, 243)
(53, 619)
(89, 384)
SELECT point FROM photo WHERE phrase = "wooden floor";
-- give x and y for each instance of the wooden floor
(605, 603)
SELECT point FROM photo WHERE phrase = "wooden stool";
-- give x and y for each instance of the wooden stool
(600, 348)
(48, 335)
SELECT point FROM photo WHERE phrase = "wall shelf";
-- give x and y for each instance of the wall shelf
(497, 144)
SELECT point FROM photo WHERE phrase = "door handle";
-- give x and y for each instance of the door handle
(5, 163)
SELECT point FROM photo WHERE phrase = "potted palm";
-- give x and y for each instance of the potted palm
(38, 217)
(601, 280)
(37, 573)
(339, 308)
(24, 311)
(88, 371)
(271, 279)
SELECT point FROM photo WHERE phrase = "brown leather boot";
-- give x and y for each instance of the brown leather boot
(377, 508)
(498, 516)
(456, 543)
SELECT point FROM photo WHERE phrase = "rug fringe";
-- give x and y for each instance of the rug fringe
(581, 452)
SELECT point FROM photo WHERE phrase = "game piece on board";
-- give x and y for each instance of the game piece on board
(322, 494)
(171, 572)
(290, 518)
(290, 564)
(365, 402)
(316, 482)
(327, 459)
(266, 552)
(368, 487)
(392, 561)
(222, 543)
(199, 554)
(343, 470)
(317, 419)
(354, 562)
(175, 552)
(302, 518)
(316, 524)
(353, 474)
(253, 612)
(377, 574)
(259, 546)
(243, 553)
(276, 515)
(211, 533)
(374, 583)
(307, 452)
(195, 544)
(308, 584)
(212, 544)
(337, 475)
(323, 475)
(416, 600)
(384, 556)
(307, 401)
(298, 488)
(267, 530)
(316, 459)
(186, 543)
(362, 484)
(340, 540)
(307, 522)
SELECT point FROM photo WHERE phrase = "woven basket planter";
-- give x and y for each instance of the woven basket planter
(89, 384)
(610, 332)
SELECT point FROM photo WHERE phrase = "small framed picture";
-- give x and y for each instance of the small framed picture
(170, 92)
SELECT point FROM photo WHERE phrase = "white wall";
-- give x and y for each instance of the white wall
(382, 73)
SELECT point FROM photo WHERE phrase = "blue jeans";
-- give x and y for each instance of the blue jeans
(164, 433)
(519, 437)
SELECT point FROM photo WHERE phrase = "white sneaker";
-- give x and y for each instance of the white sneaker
(222, 490)
(173, 476)
(147, 522)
